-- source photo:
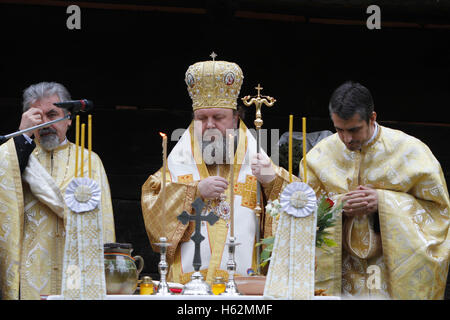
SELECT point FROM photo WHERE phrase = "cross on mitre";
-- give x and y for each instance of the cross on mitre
(213, 55)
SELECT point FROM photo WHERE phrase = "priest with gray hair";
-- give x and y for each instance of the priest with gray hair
(35, 170)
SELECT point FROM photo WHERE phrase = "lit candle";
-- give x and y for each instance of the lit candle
(231, 153)
(304, 149)
(90, 144)
(291, 124)
(163, 184)
(83, 126)
(77, 143)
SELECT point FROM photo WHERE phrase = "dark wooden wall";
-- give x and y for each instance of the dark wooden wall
(137, 58)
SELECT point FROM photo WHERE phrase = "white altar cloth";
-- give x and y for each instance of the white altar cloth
(188, 297)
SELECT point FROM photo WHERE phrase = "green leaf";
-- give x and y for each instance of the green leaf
(329, 242)
(266, 241)
(265, 254)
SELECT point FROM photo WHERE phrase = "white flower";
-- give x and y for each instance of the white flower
(298, 199)
(273, 207)
(82, 194)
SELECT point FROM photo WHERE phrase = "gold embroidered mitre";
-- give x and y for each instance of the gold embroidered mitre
(214, 84)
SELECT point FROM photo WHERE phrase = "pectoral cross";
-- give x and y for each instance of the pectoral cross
(197, 237)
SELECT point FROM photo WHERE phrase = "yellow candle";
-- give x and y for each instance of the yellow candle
(77, 142)
(82, 150)
(231, 154)
(291, 125)
(163, 184)
(89, 144)
(304, 149)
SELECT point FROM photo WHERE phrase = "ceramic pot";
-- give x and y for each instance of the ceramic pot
(250, 285)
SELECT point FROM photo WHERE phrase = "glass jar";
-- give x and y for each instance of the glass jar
(218, 286)
(146, 285)
(121, 271)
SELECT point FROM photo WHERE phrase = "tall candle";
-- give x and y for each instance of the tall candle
(83, 126)
(291, 125)
(90, 145)
(163, 185)
(231, 153)
(77, 143)
(304, 149)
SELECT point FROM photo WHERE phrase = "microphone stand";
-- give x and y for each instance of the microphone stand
(42, 125)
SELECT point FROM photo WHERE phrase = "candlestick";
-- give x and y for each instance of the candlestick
(163, 184)
(83, 126)
(304, 149)
(163, 266)
(89, 145)
(231, 287)
(231, 153)
(291, 124)
(77, 142)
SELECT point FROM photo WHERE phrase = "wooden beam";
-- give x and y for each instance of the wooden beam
(108, 6)
(269, 16)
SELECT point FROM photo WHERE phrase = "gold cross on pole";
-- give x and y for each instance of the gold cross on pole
(258, 101)
(259, 88)
(213, 55)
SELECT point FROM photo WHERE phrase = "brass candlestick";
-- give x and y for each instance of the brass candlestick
(258, 101)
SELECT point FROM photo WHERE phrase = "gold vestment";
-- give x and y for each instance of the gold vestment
(31, 234)
(413, 212)
(180, 195)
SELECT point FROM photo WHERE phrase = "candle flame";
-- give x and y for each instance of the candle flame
(162, 134)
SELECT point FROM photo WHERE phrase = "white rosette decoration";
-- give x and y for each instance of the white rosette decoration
(291, 270)
(82, 195)
(298, 199)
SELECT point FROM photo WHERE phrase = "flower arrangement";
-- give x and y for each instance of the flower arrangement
(325, 213)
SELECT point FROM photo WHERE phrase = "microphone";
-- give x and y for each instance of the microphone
(76, 106)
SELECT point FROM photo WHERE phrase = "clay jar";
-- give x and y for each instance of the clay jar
(121, 272)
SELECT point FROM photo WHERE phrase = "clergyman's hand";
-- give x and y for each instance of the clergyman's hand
(262, 168)
(359, 202)
(212, 187)
(30, 118)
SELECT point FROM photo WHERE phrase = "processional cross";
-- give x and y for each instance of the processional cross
(258, 101)
(197, 237)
